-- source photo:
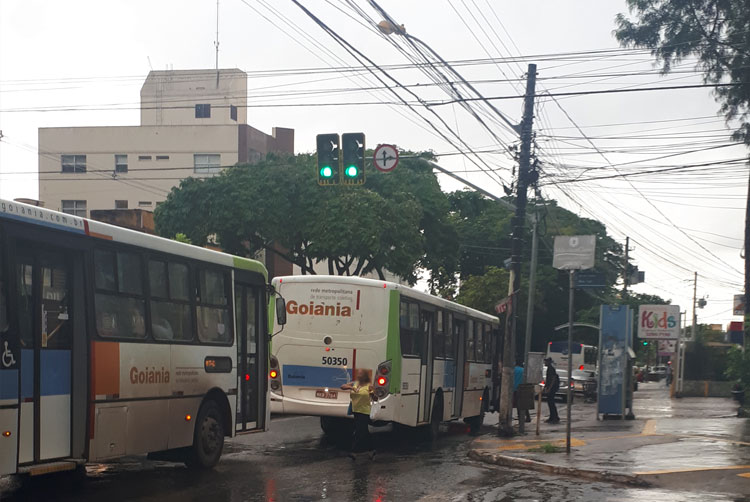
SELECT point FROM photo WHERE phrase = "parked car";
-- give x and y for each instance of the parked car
(657, 373)
(562, 391)
(583, 377)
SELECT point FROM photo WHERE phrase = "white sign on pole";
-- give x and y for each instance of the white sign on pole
(385, 158)
(739, 305)
(574, 252)
(659, 322)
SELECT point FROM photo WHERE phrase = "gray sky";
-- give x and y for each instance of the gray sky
(69, 56)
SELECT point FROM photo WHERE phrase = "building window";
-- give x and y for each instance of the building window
(233, 112)
(121, 204)
(162, 157)
(144, 203)
(144, 157)
(73, 163)
(121, 163)
(74, 207)
(203, 111)
(207, 163)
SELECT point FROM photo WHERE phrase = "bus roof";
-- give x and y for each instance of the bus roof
(374, 283)
(33, 215)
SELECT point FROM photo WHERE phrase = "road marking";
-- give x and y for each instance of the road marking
(505, 445)
(650, 428)
(694, 469)
(744, 475)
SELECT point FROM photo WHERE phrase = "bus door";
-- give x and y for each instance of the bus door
(459, 342)
(251, 356)
(10, 363)
(45, 320)
(427, 321)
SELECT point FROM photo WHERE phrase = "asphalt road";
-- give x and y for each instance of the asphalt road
(292, 462)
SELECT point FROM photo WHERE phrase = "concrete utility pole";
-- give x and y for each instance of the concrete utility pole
(519, 226)
(694, 329)
(530, 305)
(747, 271)
(625, 274)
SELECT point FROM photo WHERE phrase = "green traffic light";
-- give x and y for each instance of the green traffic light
(352, 171)
(326, 171)
(645, 343)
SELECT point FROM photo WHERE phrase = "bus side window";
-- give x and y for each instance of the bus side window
(411, 336)
(119, 301)
(3, 295)
(214, 323)
(170, 301)
(470, 341)
(488, 343)
(448, 333)
(439, 341)
(479, 341)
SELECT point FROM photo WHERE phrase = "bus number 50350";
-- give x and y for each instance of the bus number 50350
(335, 361)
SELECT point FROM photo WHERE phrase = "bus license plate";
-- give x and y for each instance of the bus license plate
(327, 394)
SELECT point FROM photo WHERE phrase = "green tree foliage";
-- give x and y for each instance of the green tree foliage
(738, 367)
(714, 31)
(396, 222)
(484, 231)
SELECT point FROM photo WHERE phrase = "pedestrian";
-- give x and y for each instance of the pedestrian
(551, 385)
(361, 394)
(518, 380)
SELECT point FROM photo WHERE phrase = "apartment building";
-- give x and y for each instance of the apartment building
(193, 123)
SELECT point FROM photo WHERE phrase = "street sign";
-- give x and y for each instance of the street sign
(504, 305)
(574, 252)
(739, 305)
(659, 322)
(385, 158)
(667, 348)
(589, 279)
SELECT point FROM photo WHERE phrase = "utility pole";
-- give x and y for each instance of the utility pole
(746, 320)
(625, 273)
(530, 305)
(514, 286)
(569, 394)
(694, 329)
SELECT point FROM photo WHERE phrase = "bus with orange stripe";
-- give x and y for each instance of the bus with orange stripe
(114, 342)
(431, 359)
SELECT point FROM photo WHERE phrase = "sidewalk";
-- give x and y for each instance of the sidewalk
(691, 443)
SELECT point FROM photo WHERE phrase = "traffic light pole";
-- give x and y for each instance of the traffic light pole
(514, 286)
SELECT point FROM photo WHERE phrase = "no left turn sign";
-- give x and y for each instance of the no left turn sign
(385, 158)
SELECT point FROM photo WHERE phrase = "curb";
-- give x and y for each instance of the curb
(533, 465)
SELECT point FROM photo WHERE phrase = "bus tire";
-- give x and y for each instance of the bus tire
(337, 427)
(208, 438)
(432, 430)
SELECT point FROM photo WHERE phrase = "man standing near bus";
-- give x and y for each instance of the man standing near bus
(551, 385)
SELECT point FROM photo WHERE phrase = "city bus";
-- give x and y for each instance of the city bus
(430, 359)
(584, 356)
(115, 342)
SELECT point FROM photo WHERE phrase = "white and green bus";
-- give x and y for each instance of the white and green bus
(114, 342)
(431, 359)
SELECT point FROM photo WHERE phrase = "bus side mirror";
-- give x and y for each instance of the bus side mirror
(280, 311)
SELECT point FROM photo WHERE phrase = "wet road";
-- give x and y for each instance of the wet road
(294, 463)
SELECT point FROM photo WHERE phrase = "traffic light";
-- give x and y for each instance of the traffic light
(328, 148)
(645, 342)
(353, 154)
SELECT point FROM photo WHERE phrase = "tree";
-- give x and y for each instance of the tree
(396, 222)
(715, 31)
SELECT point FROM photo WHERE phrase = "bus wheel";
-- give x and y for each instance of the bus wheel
(337, 427)
(433, 429)
(208, 439)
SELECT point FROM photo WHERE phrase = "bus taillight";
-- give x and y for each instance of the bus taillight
(382, 381)
(274, 374)
(274, 362)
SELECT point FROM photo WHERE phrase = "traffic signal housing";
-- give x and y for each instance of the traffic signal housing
(328, 149)
(353, 155)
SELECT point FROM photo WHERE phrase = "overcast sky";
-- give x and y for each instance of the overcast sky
(59, 58)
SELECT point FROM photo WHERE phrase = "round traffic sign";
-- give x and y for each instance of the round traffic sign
(385, 158)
